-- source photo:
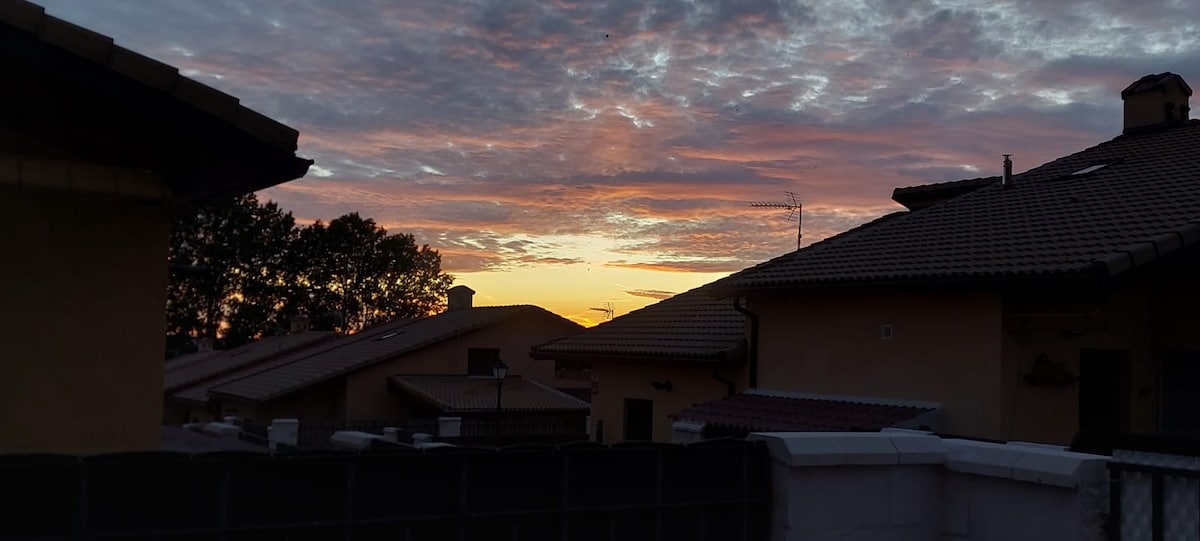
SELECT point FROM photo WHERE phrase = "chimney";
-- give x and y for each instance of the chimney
(299, 324)
(1006, 180)
(459, 298)
(1155, 101)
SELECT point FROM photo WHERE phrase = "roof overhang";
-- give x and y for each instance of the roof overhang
(82, 97)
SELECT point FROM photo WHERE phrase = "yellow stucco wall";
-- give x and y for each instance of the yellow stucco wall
(81, 321)
(945, 348)
(691, 383)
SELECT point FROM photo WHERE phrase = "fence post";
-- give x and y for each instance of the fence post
(1114, 502)
(1156, 506)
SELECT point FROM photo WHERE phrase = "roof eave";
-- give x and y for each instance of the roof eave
(715, 357)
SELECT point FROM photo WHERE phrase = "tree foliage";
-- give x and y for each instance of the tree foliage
(242, 269)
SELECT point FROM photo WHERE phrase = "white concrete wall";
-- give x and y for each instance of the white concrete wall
(910, 486)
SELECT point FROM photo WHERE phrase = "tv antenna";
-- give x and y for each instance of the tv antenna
(608, 311)
(795, 211)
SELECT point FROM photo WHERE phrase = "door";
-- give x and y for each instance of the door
(1179, 387)
(1104, 390)
(639, 419)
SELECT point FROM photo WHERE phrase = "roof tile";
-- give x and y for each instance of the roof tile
(757, 412)
(1050, 223)
(690, 325)
(462, 394)
(368, 347)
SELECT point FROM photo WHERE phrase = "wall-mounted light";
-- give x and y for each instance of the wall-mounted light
(661, 385)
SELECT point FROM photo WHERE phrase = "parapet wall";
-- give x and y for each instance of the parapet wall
(909, 485)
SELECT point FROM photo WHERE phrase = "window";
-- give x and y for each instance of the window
(481, 360)
(1090, 169)
(391, 334)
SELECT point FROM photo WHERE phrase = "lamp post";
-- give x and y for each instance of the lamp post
(499, 372)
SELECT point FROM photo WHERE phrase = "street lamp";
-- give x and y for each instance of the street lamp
(499, 372)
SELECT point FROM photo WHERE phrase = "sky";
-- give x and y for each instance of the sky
(579, 155)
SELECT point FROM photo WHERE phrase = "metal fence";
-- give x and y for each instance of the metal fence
(1154, 491)
(716, 490)
(1153, 503)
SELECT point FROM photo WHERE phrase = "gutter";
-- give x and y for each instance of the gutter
(753, 346)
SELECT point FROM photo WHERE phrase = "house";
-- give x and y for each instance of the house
(1031, 306)
(350, 378)
(99, 146)
(198, 370)
(515, 409)
(655, 361)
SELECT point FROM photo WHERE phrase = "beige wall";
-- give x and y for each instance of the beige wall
(364, 395)
(1152, 315)
(691, 383)
(945, 348)
(81, 321)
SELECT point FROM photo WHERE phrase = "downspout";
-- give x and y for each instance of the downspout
(753, 346)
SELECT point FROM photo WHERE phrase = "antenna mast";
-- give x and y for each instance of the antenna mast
(795, 211)
(608, 311)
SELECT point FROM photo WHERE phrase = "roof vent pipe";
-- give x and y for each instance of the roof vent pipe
(1006, 182)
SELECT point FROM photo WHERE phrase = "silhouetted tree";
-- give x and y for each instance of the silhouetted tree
(351, 273)
(242, 269)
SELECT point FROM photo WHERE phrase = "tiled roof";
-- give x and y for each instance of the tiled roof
(33, 37)
(464, 394)
(198, 393)
(369, 347)
(689, 326)
(174, 363)
(919, 197)
(1143, 204)
(219, 362)
(767, 411)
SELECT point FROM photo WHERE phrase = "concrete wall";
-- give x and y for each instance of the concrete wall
(944, 348)
(81, 317)
(902, 485)
(691, 383)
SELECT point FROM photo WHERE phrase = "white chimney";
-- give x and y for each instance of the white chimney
(459, 298)
(1155, 101)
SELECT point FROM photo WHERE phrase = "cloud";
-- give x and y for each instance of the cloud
(651, 293)
(633, 134)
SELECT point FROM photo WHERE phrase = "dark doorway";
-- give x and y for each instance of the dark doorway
(1179, 384)
(639, 419)
(1104, 390)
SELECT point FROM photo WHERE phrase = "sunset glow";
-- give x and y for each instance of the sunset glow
(570, 154)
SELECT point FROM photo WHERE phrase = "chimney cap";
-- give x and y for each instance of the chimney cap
(461, 288)
(1156, 82)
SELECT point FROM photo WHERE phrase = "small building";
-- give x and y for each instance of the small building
(347, 379)
(99, 146)
(655, 361)
(203, 369)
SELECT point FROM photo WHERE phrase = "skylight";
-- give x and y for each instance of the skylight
(1090, 169)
